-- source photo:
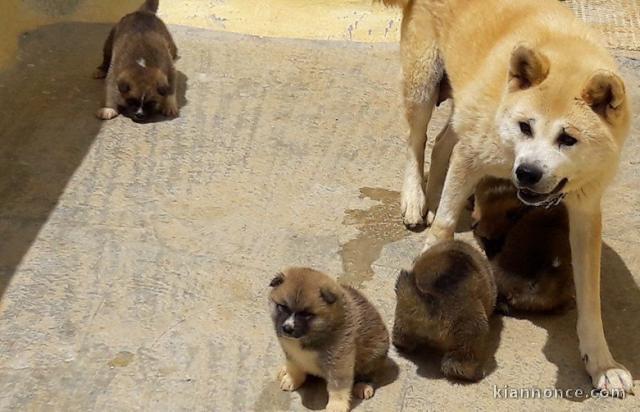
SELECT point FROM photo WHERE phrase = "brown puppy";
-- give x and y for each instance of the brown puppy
(445, 301)
(138, 61)
(327, 330)
(528, 248)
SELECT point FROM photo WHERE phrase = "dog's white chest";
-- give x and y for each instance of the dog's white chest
(304, 359)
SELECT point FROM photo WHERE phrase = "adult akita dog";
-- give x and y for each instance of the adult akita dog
(537, 99)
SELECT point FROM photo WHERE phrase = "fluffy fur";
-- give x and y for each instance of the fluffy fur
(138, 65)
(330, 331)
(445, 302)
(528, 248)
(537, 99)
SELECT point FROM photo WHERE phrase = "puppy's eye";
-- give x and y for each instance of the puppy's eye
(305, 314)
(566, 140)
(525, 128)
(282, 308)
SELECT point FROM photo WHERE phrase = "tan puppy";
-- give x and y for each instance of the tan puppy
(327, 330)
(445, 302)
(528, 248)
(537, 99)
(138, 64)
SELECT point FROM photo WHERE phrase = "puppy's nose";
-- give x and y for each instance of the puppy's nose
(288, 329)
(139, 115)
(528, 174)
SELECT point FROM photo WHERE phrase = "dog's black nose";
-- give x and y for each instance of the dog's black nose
(139, 115)
(528, 174)
(288, 329)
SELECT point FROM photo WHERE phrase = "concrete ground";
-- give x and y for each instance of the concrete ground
(135, 259)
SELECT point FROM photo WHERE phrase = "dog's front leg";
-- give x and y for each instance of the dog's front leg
(585, 221)
(465, 171)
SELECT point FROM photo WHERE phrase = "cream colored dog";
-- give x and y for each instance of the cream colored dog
(537, 99)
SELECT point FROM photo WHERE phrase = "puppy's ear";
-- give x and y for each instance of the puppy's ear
(162, 86)
(123, 86)
(527, 68)
(604, 92)
(277, 280)
(163, 90)
(328, 296)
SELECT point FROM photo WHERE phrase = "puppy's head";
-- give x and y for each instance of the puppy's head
(496, 209)
(143, 89)
(565, 114)
(306, 304)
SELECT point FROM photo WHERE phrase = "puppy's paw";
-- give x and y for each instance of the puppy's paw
(615, 381)
(337, 406)
(106, 113)
(99, 73)
(170, 107)
(287, 381)
(414, 207)
(363, 390)
(457, 368)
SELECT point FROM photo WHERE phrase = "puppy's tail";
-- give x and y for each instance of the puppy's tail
(395, 3)
(150, 6)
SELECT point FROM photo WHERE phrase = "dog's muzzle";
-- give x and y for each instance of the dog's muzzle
(550, 199)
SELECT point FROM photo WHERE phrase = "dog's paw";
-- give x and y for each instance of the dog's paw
(337, 406)
(363, 390)
(170, 107)
(99, 73)
(465, 369)
(287, 382)
(414, 208)
(614, 381)
(106, 113)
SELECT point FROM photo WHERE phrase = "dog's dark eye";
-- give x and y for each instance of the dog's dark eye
(305, 314)
(282, 308)
(133, 102)
(566, 140)
(525, 128)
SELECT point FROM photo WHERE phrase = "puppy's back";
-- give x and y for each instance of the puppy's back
(454, 272)
(372, 337)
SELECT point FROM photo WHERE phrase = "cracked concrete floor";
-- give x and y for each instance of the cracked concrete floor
(135, 258)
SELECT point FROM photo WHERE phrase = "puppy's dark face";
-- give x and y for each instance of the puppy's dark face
(143, 91)
(305, 305)
(496, 209)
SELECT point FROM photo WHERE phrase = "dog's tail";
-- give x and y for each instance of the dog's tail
(395, 3)
(150, 6)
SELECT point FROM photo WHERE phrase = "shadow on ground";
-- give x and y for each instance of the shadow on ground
(47, 126)
(621, 316)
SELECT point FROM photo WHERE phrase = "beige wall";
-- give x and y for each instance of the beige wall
(357, 20)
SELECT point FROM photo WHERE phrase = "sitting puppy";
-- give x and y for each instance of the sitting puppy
(528, 248)
(138, 64)
(327, 330)
(445, 302)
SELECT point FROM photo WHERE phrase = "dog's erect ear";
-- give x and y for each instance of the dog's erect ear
(277, 280)
(604, 93)
(527, 68)
(123, 86)
(163, 90)
(328, 296)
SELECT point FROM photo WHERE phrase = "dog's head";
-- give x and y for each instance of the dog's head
(143, 89)
(565, 119)
(306, 305)
(496, 209)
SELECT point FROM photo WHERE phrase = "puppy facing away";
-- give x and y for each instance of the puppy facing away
(138, 65)
(528, 248)
(445, 303)
(327, 330)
